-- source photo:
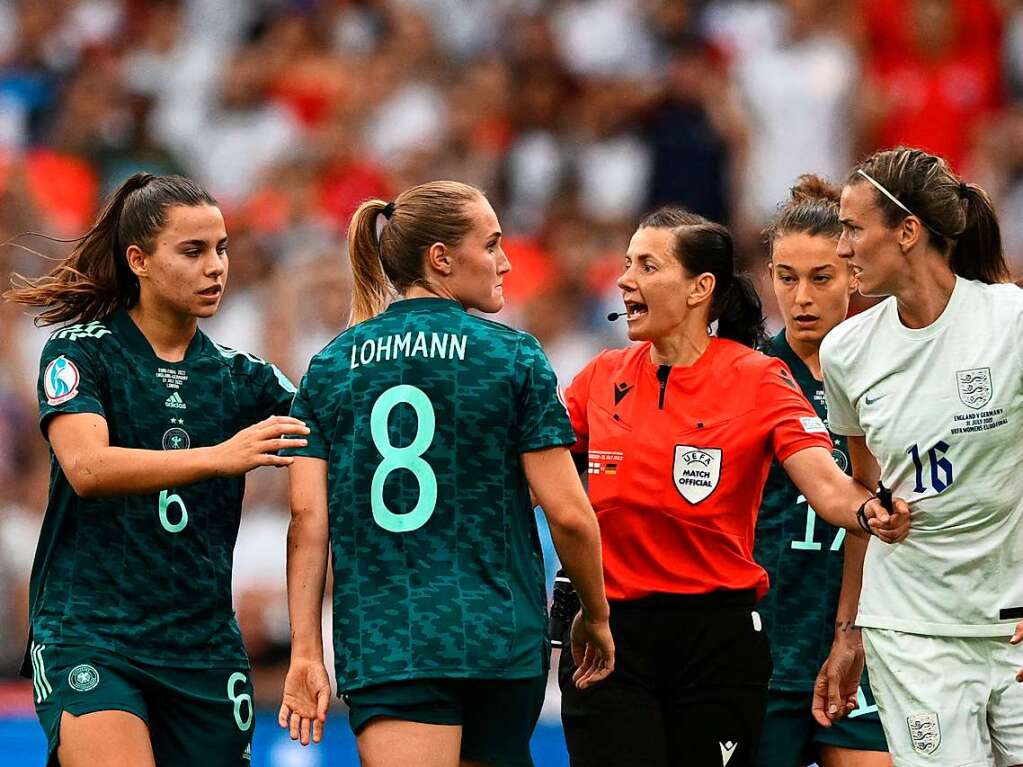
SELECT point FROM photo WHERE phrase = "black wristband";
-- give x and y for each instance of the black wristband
(861, 516)
(884, 495)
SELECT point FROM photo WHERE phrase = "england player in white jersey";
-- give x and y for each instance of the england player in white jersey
(928, 387)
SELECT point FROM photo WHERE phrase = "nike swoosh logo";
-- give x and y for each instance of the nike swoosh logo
(727, 752)
(870, 401)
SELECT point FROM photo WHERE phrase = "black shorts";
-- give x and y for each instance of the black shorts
(689, 686)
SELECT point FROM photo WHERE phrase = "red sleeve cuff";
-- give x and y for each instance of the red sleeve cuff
(809, 440)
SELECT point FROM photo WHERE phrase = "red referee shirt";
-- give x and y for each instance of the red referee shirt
(678, 457)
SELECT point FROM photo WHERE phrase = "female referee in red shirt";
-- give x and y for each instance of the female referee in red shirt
(677, 434)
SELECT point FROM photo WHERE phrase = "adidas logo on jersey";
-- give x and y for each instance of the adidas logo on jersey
(88, 330)
(175, 401)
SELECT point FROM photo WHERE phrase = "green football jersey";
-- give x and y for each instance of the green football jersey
(147, 576)
(421, 414)
(802, 554)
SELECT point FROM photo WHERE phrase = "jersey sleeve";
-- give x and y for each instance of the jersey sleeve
(793, 424)
(842, 417)
(302, 408)
(71, 380)
(276, 391)
(576, 396)
(542, 418)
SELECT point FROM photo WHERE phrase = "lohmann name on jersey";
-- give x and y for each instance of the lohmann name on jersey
(428, 345)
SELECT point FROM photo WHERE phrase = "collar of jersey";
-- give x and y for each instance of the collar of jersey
(413, 304)
(683, 371)
(948, 315)
(783, 351)
(137, 341)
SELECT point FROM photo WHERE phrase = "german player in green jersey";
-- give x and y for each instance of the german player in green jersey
(135, 654)
(802, 553)
(429, 427)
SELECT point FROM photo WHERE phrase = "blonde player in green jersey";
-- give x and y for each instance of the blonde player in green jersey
(927, 386)
(802, 553)
(135, 654)
(429, 427)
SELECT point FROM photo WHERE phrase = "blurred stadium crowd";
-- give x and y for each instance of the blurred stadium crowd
(575, 116)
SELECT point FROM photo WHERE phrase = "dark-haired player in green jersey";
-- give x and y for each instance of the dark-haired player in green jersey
(135, 655)
(429, 426)
(802, 553)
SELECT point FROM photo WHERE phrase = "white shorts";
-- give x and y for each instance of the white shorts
(949, 701)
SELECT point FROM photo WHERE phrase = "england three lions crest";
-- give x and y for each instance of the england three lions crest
(925, 732)
(696, 471)
(974, 387)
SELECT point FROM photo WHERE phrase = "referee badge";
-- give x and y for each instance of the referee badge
(696, 471)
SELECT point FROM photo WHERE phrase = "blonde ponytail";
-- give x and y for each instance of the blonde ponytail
(371, 289)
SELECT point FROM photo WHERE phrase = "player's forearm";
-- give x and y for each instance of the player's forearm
(112, 471)
(308, 539)
(552, 479)
(854, 550)
(578, 547)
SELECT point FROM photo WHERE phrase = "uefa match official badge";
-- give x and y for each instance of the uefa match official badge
(60, 381)
(83, 678)
(696, 471)
(925, 732)
(974, 387)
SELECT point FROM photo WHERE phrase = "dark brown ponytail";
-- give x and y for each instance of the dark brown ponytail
(978, 254)
(95, 279)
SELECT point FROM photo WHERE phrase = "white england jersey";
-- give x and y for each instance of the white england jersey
(941, 409)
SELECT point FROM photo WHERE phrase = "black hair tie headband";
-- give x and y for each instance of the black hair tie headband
(388, 210)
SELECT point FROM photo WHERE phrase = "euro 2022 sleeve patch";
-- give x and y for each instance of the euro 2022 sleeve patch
(60, 381)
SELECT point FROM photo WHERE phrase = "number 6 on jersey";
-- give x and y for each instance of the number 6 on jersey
(409, 458)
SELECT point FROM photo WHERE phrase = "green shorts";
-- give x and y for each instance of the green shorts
(195, 716)
(497, 716)
(792, 737)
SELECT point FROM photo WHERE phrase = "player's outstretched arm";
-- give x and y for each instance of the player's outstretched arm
(837, 497)
(553, 480)
(81, 442)
(839, 678)
(307, 686)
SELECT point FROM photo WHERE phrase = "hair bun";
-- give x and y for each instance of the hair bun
(810, 187)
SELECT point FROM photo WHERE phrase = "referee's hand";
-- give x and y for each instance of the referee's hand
(890, 525)
(593, 651)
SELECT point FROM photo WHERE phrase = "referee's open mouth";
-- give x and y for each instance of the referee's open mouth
(634, 310)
